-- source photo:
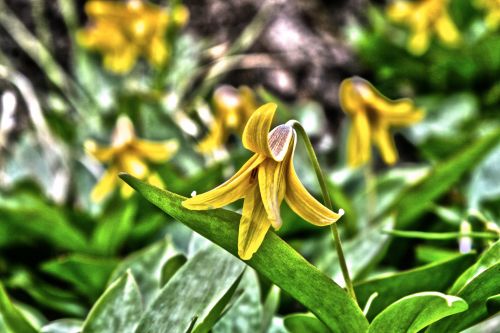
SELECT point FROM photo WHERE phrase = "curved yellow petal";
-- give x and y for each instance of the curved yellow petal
(419, 42)
(156, 151)
(358, 140)
(400, 10)
(102, 154)
(385, 144)
(158, 51)
(233, 189)
(303, 203)
(446, 30)
(401, 113)
(255, 135)
(105, 186)
(214, 139)
(254, 224)
(350, 101)
(272, 184)
(130, 163)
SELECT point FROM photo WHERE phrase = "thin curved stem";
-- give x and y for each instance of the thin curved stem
(328, 203)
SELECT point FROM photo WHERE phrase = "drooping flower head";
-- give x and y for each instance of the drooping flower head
(124, 31)
(372, 115)
(492, 8)
(264, 181)
(424, 18)
(130, 154)
(233, 107)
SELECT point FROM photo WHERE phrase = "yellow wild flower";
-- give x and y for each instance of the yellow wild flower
(127, 153)
(372, 115)
(492, 8)
(264, 181)
(424, 18)
(233, 108)
(125, 31)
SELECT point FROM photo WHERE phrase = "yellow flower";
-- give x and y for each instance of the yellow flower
(124, 31)
(372, 115)
(127, 153)
(424, 18)
(233, 108)
(264, 181)
(493, 9)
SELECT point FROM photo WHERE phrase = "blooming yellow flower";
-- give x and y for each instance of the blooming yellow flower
(233, 108)
(124, 31)
(372, 115)
(424, 18)
(127, 153)
(264, 181)
(493, 12)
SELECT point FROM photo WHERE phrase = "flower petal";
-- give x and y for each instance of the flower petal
(156, 151)
(349, 98)
(358, 141)
(272, 184)
(255, 135)
(233, 189)
(253, 224)
(130, 163)
(303, 203)
(105, 186)
(401, 112)
(385, 144)
(102, 154)
(446, 30)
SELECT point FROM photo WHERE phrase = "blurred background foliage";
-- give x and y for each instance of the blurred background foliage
(60, 252)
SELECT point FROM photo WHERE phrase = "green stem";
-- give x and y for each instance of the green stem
(328, 203)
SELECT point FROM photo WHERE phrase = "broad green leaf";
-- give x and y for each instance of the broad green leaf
(303, 322)
(203, 281)
(117, 310)
(113, 229)
(361, 252)
(487, 259)
(395, 286)
(271, 305)
(245, 314)
(87, 274)
(413, 202)
(476, 293)
(146, 267)
(485, 180)
(11, 317)
(275, 259)
(63, 326)
(171, 267)
(489, 325)
(415, 312)
(427, 254)
(28, 215)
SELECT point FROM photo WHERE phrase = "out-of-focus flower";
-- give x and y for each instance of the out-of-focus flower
(233, 108)
(492, 8)
(130, 154)
(372, 115)
(124, 31)
(424, 18)
(264, 181)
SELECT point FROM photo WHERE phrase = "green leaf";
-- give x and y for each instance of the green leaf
(11, 317)
(393, 287)
(493, 304)
(203, 281)
(275, 259)
(63, 326)
(146, 267)
(476, 293)
(246, 312)
(117, 310)
(413, 202)
(171, 267)
(487, 259)
(113, 229)
(415, 312)
(439, 235)
(87, 274)
(303, 322)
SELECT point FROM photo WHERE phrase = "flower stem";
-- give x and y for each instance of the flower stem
(326, 197)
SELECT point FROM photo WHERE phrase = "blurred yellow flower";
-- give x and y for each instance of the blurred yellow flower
(127, 153)
(372, 115)
(493, 12)
(124, 31)
(264, 181)
(233, 108)
(424, 18)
